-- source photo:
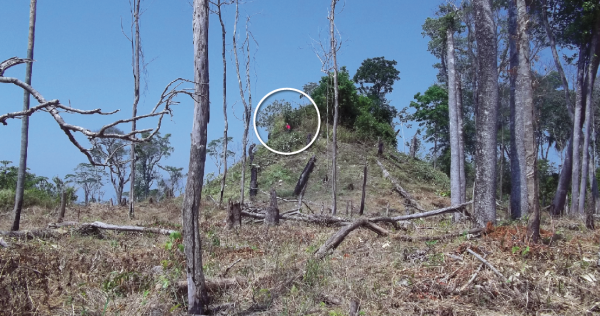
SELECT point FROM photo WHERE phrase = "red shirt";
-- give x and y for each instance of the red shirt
(287, 126)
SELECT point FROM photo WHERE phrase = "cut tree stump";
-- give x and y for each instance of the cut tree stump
(410, 201)
(364, 188)
(253, 182)
(234, 215)
(354, 308)
(272, 214)
(302, 181)
(63, 205)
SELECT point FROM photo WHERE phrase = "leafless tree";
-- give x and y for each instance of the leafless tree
(20, 189)
(248, 104)
(335, 105)
(135, 51)
(197, 294)
(223, 32)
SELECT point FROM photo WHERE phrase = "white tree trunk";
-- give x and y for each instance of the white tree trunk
(335, 106)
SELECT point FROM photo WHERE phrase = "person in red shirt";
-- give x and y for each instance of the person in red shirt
(287, 126)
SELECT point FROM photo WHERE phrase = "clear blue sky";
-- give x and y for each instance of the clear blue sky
(82, 57)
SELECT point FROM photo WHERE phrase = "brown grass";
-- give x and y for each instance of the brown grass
(118, 274)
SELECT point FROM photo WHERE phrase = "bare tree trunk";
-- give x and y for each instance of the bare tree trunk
(413, 147)
(364, 189)
(484, 199)
(272, 214)
(247, 105)
(224, 104)
(136, 49)
(63, 206)
(234, 215)
(305, 175)
(560, 197)
(197, 295)
(453, 119)
(518, 175)
(20, 189)
(335, 105)
(589, 112)
(577, 130)
(524, 102)
(595, 200)
(461, 142)
(253, 182)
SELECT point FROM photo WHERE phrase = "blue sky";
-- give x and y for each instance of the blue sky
(83, 58)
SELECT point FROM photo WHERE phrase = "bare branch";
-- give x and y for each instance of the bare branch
(12, 62)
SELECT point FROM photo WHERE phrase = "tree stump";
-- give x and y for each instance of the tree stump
(380, 149)
(308, 138)
(354, 308)
(150, 200)
(272, 214)
(253, 182)
(110, 202)
(123, 202)
(63, 205)
(305, 175)
(362, 199)
(234, 215)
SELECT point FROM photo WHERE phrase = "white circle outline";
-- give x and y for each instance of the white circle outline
(318, 121)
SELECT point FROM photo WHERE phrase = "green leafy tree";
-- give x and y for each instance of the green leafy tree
(148, 155)
(215, 150)
(375, 77)
(168, 186)
(114, 152)
(88, 178)
(269, 114)
(347, 97)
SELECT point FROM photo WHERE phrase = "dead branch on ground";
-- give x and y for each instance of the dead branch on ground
(412, 202)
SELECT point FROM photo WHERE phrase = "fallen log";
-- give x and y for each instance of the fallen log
(4, 243)
(30, 234)
(450, 209)
(428, 238)
(336, 239)
(101, 225)
(215, 285)
(412, 202)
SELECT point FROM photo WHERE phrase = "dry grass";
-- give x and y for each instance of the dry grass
(135, 274)
(118, 275)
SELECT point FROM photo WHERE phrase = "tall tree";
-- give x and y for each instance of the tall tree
(524, 103)
(247, 105)
(226, 127)
(24, 123)
(197, 294)
(518, 174)
(484, 199)
(335, 106)
(89, 178)
(135, 51)
(592, 70)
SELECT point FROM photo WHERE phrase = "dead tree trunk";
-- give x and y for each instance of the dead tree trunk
(223, 32)
(136, 50)
(409, 200)
(234, 215)
(335, 105)
(20, 190)
(380, 148)
(197, 294)
(253, 182)
(305, 175)
(247, 105)
(63, 205)
(308, 138)
(272, 214)
(364, 189)
(413, 147)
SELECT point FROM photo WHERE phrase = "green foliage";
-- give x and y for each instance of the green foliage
(548, 180)
(87, 177)
(148, 155)
(267, 116)
(380, 74)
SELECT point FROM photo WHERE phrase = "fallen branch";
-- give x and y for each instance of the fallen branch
(450, 209)
(215, 285)
(230, 266)
(427, 238)
(101, 225)
(29, 234)
(336, 239)
(412, 202)
(472, 278)
(489, 265)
